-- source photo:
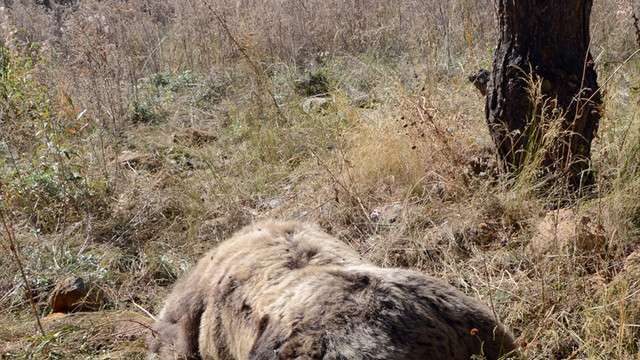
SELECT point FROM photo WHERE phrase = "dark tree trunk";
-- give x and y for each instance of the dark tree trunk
(548, 40)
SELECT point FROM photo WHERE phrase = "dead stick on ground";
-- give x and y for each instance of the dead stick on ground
(13, 252)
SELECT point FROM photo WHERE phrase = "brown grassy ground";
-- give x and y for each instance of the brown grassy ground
(102, 175)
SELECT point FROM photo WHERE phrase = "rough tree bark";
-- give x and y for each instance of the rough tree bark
(550, 41)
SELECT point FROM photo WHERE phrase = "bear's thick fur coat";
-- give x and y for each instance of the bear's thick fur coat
(287, 290)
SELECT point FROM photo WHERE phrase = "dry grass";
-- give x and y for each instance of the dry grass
(102, 178)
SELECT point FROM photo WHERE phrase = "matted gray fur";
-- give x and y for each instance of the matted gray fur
(287, 290)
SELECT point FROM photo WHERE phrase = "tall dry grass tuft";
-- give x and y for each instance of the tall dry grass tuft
(540, 140)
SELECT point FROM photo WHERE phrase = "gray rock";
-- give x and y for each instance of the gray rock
(316, 104)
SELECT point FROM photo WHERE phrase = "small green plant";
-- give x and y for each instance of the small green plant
(148, 110)
(156, 95)
(316, 84)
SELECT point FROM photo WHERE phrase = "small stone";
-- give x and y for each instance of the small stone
(315, 104)
(75, 294)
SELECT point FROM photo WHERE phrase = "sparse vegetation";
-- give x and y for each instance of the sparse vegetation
(136, 135)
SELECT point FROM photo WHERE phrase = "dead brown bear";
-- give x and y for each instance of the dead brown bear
(287, 290)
